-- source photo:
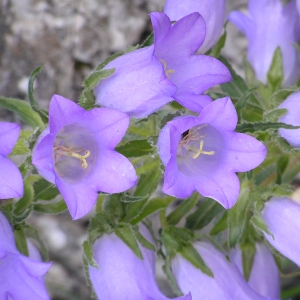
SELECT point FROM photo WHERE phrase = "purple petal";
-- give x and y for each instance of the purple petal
(80, 197)
(244, 151)
(7, 240)
(139, 85)
(197, 74)
(181, 40)
(227, 284)
(9, 134)
(193, 102)
(220, 114)
(282, 218)
(242, 22)
(22, 275)
(292, 118)
(114, 173)
(264, 276)
(212, 11)
(63, 111)
(109, 126)
(42, 157)
(10, 186)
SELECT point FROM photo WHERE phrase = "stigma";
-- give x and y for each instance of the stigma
(167, 72)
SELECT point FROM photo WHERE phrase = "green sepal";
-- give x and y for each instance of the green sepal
(275, 74)
(207, 210)
(143, 241)
(51, 208)
(171, 279)
(34, 104)
(274, 114)
(216, 50)
(192, 255)
(21, 240)
(23, 110)
(175, 216)
(88, 254)
(127, 235)
(152, 206)
(237, 216)
(92, 80)
(143, 128)
(135, 148)
(87, 99)
(114, 207)
(248, 254)
(170, 117)
(282, 164)
(130, 198)
(108, 60)
(258, 222)
(148, 41)
(22, 146)
(44, 190)
(262, 126)
(220, 225)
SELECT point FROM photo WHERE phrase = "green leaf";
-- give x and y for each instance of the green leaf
(129, 198)
(34, 104)
(89, 255)
(44, 190)
(114, 207)
(91, 81)
(52, 208)
(207, 210)
(248, 254)
(152, 206)
(175, 216)
(216, 50)
(22, 146)
(192, 255)
(274, 114)
(135, 148)
(275, 74)
(262, 126)
(220, 225)
(171, 279)
(23, 110)
(143, 241)
(282, 164)
(21, 240)
(237, 216)
(126, 234)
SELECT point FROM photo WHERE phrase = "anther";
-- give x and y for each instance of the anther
(201, 151)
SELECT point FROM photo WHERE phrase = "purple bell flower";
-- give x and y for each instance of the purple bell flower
(10, 186)
(264, 276)
(203, 153)
(266, 31)
(212, 11)
(175, 47)
(139, 85)
(227, 284)
(121, 274)
(292, 118)
(282, 218)
(76, 152)
(22, 277)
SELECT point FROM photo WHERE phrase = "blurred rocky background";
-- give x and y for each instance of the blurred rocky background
(68, 38)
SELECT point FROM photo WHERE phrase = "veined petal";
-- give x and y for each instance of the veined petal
(9, 134)
(10, 186)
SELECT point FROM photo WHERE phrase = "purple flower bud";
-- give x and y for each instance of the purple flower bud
(212, 11)
(292, 118)
(282, 218)
(10, 186)
(21, 276)
(264, 276)
(227, 284)
(121, 274)
(76, 152)
(139, 85)
(175, 47)
(203, 153)
(265, 32)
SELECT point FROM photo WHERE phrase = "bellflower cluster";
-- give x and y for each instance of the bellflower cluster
(121, 274)
(266, 31)
(212, 11)
(264, 276)
(76, 153)
(203, 153)
(292, 118)
(282, 218)
(149, 78)
(21, 276)
(10, 186)
(227, 284)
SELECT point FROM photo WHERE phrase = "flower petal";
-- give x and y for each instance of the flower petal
(7, 240)
(10, 186)
(9, 134)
